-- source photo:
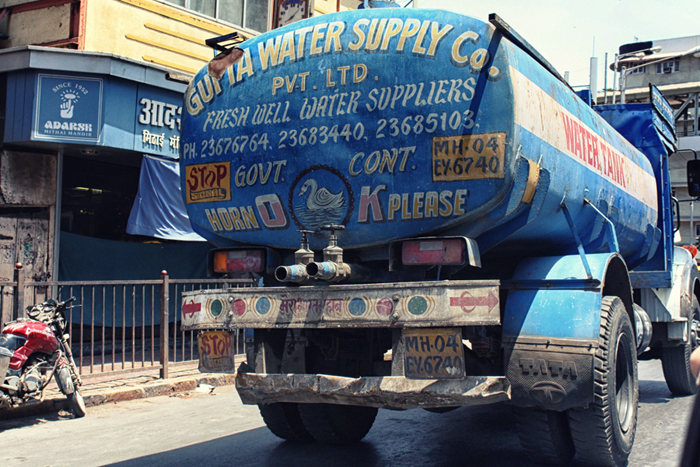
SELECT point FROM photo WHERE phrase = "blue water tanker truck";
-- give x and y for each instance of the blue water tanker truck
(433, 219)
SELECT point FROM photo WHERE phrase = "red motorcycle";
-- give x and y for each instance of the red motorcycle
(34, 350)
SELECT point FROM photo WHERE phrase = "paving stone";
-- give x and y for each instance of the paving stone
(184, 385)
(92, 400)
(158, 389)
(212, 380)
(124, 394)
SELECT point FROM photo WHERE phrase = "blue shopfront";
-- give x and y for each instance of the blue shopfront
(89, 187)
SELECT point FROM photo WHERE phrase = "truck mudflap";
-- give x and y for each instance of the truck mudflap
(553, 374)
(390, 392)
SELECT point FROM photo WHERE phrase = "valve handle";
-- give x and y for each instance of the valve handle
(303, 234)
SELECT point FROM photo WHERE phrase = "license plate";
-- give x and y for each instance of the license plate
(216, 352)
(433, 353)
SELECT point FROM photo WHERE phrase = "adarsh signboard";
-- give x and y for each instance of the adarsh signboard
(68, 108)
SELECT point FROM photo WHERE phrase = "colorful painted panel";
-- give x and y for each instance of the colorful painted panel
(406, 304)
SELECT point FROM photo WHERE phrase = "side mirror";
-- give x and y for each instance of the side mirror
(693, 170)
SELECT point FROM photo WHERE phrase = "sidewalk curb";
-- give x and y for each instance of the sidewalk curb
(99, 396)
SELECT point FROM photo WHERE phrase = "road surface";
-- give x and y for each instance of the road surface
(217, 430)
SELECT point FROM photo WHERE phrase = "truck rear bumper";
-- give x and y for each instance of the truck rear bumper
(409, 304)
(390, 392)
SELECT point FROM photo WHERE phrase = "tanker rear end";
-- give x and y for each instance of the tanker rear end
(382, 123)
(436, 220)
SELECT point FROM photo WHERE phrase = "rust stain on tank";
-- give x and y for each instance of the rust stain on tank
(218, 65)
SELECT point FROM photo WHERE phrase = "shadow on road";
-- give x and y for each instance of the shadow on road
(475, 436)
(30, 420)
(654, 392)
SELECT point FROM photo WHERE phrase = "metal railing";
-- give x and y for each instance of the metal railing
(116, 326)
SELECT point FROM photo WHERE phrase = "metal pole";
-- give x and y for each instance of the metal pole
(695, 117)
(57, 221)
(593, 80)
(692, 224)
(614, 77)
(623, 79)
(605, 80)
(164, 325)
(19, 278)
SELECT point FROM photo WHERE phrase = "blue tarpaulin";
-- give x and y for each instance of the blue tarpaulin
(84, 258)
(159, 210)
(93, 259)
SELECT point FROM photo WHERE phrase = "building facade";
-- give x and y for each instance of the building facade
(88, 89)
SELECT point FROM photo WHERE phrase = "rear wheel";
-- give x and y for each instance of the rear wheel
(545, 435)
(603, 433)
(337, 424)
(335, 353)
(77, 404)
(676, 360)
(282, 418)
(284, 421)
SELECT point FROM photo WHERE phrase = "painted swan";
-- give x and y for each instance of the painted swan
(321, 199)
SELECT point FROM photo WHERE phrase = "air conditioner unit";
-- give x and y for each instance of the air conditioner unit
(667, 68)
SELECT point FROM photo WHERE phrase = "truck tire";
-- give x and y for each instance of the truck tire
(284, 421)
(603, 433)
(544, 435)
(676, 360)
(337, 424)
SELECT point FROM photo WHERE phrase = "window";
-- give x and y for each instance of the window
(640, 70)
(670, 66)
(250, 14)
(97, 197)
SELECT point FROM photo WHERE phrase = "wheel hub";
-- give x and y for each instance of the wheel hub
(623, 384)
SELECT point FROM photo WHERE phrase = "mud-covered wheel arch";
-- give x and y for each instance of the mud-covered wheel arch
(617, 284)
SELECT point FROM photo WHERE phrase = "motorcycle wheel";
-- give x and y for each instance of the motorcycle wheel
(64, 380)
(77, 404)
